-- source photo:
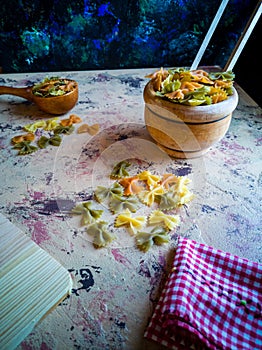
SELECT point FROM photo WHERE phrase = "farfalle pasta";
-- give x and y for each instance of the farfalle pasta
(34, 126)
(120, 170)
(168, 180)
(26, 137)
(88, 214)
(159, 217)
(73, 119)
(25, 147)
(44, 141)
(146, 240)
(119, 203)
(149, 197)
(150, 179)
(103, 193)
(51, 124)
(131, 185)
(172, 199)
(44, 133)
(126, 219)
(90, 129)
(192, 88)
(99, 230)
(126, 196)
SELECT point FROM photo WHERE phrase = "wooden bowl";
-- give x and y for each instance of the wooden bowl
(52, 105)
(186, 131)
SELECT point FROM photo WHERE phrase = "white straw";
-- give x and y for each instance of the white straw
(209, 34)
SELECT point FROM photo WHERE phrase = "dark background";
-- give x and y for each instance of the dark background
(248, 67)
(61, 35)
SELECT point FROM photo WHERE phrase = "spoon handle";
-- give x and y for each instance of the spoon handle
(25, 92)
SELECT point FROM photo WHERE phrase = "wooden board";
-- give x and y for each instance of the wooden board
(31, 284)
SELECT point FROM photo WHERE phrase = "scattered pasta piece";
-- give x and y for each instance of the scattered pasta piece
(27, 137)
(126, 219)
(169, 221)
(168, 201)
(172, 199)
(120, 203)
(18, 139)
(131, 185)
(73, 119)
(94, 129)
(168, 179)
(34, 126)
(181, 184)
(90, 129)
(51, 124)
(149, 197)
(100, 233)
(102, 193)
(45, 133)
(149, 178)
(44, 141)
(89, 215)
(25, 147)
(182, 191)
(145, 240)
(186, 197)
(83, 129)
(67, 130)
(66, 122)
(119, 170)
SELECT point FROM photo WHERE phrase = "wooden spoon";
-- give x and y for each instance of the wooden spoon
(52, 105)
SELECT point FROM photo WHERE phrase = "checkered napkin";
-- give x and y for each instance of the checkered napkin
(211, 300)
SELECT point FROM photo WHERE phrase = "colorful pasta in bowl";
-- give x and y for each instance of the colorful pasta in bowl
(187, 112)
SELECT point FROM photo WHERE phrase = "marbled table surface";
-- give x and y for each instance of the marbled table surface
(116, 288)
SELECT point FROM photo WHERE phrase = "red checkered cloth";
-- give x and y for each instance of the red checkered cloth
(211, 300)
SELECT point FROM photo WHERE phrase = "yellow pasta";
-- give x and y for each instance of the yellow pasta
(168, 180)
(181, 184)
(149, 197)
(51, 124)
(34, 126)
(150, 179)
(169, 221)
(126, 219)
